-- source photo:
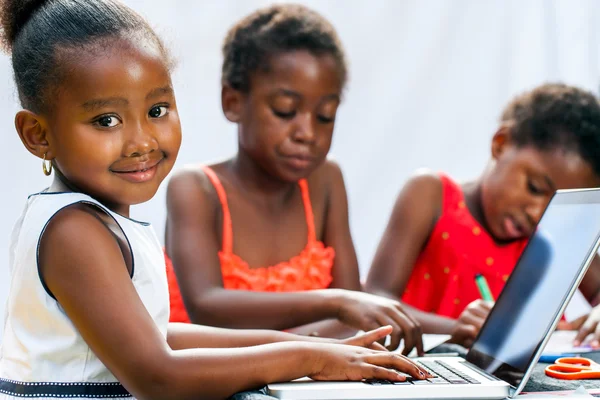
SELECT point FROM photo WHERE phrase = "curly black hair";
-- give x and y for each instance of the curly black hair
(39, 34)
(557, 116)
(279, 28)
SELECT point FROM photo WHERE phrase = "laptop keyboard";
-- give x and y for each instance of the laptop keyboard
(442, 374)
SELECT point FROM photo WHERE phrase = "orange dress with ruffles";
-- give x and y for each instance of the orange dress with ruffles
(443, 278)
(309, 270)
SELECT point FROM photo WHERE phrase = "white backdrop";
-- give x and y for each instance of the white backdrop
(427, 83)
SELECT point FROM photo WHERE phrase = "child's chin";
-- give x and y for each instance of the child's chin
(141, 196)
(293, 175)
(142, 200)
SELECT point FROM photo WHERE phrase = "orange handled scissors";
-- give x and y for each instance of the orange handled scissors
(574, 368)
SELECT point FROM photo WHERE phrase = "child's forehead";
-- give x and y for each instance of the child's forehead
(300, 68)
(117, 66)
(126, 45)
(564, 167)
(283, 60)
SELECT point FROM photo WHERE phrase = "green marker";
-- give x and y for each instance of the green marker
(483, 287)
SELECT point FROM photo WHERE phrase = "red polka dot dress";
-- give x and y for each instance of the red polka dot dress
(442, 281)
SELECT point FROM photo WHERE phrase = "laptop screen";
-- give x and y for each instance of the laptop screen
(551, 264)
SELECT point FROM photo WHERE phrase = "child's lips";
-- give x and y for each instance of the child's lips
(138, 172)
(139, 176)
(137, 166)
(512, 229)
(299, 161)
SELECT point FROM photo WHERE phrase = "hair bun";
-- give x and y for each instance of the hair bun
(14, 16)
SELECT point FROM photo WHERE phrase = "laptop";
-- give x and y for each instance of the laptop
(510, 342)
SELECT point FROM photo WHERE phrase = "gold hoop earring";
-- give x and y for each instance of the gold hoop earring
(47, 169)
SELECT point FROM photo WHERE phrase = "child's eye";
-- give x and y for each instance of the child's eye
(284, 115)
(158, 111)
(325, 120)
(107, 121)
(534, 189)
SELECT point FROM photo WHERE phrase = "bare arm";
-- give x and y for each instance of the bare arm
(590, 288)
(336, 234)
(190, 336)
(415, 212)
(98, 296)
(346, 274)
(590, 285)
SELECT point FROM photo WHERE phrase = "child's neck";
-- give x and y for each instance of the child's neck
(472, 194)
(254, 180)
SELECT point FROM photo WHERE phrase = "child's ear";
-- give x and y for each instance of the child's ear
(501, 139)
(231, 102)
(33, 131)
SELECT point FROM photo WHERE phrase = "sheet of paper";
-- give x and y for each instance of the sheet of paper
(562, 342)
(429, 342)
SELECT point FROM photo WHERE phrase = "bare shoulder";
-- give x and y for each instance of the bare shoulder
(189, 179)
(327, 176)
(332, 169)
(425, 182)
(69, 223)
(421, 196)
(190, 186)
(76, 234)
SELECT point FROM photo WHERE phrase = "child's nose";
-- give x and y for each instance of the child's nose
(140, 141)
(304, 130)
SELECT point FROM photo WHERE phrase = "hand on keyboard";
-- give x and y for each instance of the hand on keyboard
(343, 362)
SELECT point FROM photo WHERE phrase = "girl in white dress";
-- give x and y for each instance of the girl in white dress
(88, 309)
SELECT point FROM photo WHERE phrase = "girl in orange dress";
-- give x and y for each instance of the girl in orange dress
(441, 233)
(262, 240)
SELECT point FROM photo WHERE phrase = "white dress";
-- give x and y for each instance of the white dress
(43, 356)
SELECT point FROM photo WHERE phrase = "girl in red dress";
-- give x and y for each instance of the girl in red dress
(442, 233)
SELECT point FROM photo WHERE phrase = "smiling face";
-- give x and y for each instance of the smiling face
(287, 117)
(517, 188)
(114, 131)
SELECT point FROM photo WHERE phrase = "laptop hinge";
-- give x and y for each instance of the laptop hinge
(479, 370)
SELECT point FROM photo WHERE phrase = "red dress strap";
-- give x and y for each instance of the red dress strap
(227, 246)
(308, 211)
(452, 194)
